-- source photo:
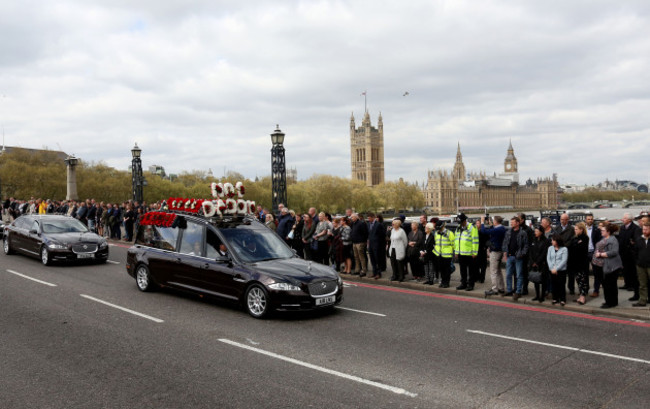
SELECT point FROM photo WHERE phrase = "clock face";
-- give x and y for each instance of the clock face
(508, 166)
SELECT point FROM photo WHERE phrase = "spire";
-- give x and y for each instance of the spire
(459, 156)
(352, 117)
(510, 146)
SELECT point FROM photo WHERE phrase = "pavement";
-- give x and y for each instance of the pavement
(623, 310)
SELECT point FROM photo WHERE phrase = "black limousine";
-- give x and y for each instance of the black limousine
(54, 238)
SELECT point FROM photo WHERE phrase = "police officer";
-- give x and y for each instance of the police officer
(444, 252)
(466, 247)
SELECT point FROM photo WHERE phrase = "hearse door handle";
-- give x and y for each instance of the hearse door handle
(239, 278)
(206, 265)
(178, 260)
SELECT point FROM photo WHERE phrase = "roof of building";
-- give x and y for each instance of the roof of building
(9, 149)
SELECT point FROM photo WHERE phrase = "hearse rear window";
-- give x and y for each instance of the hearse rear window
(164, 238)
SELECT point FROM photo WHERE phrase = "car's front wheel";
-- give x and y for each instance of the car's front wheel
(257, 301)
(45, 256)
(143, 279)
(6, 246)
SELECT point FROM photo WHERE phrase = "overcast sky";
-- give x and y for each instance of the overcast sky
(202, 84)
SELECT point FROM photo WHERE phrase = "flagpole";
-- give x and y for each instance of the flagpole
(365, 101)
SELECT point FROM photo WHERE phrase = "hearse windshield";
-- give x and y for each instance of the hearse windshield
(252, 245)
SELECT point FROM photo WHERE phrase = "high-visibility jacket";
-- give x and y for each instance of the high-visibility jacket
(444, 246)
(466, 243)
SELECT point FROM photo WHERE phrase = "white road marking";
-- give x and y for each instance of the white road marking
(139, 314)
(30, 278)
(389, 388)
(586, 351)
(362, 312)
(112, 262)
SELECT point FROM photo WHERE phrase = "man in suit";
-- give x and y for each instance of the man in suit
(626, 239)
(565, 230)
(376, 242)
(594, 234)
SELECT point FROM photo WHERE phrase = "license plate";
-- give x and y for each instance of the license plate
(85, 256)
(326, 300)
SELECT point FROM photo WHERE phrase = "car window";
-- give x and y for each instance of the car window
(253, 245)
(212, 245)
(165, 238)
(146, 236)
(192, 239)
(64, 226)
(22, 222)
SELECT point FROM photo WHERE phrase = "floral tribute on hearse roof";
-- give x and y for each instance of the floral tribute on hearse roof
(228, 199)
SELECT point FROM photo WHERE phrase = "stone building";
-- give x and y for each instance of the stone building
(449, 192)
(367, 150)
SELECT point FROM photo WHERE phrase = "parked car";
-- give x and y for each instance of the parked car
(236, 259)
(54, 238)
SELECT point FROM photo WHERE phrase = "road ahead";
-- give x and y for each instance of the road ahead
(85, 337)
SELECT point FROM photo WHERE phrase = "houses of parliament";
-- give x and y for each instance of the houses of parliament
(447, 192)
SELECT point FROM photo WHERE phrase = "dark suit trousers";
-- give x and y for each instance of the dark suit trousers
(468, 270)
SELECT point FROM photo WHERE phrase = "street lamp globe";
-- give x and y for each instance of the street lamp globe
(136, 151)
(277, 137)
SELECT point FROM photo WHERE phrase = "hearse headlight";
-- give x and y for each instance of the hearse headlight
(284, 287)
(54, 245)
(340, 280)
(103, 244)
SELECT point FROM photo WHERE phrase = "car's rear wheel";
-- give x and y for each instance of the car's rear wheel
(6, 246)
(143, 279)
(45, 256)
(257, 301)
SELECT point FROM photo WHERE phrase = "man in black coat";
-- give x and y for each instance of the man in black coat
(626, 238)
(376, 243)
(359, 239)
(594, 234)
(642, 252)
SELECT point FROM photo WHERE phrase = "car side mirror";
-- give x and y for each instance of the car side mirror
(33, 231)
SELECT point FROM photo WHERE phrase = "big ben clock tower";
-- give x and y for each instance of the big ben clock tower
(510, 164)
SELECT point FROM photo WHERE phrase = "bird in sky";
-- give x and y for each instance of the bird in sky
(405, 94)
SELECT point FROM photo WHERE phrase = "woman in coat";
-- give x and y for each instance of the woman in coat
(557, 258)
(537, 253)
(415, 246)
(579, 262)
(397, 250)
(612, 265)
(427, 254)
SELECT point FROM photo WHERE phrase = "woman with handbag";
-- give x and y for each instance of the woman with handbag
(537, 266)
(612, 265)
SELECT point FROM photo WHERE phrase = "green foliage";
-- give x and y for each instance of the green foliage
(591, 195)
(24, 174)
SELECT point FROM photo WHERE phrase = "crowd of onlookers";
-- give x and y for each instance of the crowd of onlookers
(553, 258)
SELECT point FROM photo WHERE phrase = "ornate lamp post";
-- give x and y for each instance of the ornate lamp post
(278, 170)
(136, 174)
(71, 191)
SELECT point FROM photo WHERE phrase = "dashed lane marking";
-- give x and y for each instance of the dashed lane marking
(139, 314)
(585, 351)
(362, 312)
(393, 389)
(112, 262)
(31, 278)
